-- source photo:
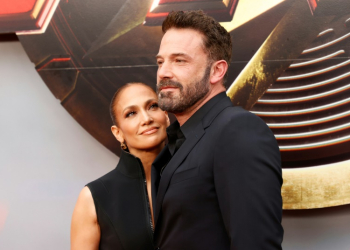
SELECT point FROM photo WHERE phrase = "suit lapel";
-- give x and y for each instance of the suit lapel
(181, 154)
(160, 162)
(173, 164)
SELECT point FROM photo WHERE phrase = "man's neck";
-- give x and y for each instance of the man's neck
(184, 116)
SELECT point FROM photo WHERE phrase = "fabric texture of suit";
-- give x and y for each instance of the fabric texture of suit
(222, 188)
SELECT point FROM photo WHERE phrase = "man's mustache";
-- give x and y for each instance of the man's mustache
(168, 83)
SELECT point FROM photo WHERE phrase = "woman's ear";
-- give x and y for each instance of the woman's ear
(118, 134)
(167, 119)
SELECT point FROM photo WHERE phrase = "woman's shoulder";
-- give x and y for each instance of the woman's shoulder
(99, 184)
(104, 177)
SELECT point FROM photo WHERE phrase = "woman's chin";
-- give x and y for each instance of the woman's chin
(152, 145)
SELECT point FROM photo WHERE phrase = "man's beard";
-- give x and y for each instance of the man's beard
(189, 96)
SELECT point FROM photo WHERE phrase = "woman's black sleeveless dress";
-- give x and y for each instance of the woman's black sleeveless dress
(122, 206)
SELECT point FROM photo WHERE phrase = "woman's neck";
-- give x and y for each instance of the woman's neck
(147, 157)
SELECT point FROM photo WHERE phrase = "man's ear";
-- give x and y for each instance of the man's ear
(167, 119)
(118, 134)
(218, 71)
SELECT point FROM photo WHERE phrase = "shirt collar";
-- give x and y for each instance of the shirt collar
(129, 165)
(176, 132)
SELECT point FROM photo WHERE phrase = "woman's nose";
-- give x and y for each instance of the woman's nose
(146, 118)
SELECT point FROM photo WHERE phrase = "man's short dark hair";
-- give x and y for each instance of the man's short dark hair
(217, 42)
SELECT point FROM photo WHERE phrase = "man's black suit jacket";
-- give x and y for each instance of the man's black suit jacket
(222, 188)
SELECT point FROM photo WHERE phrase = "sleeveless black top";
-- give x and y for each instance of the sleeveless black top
(122, 206)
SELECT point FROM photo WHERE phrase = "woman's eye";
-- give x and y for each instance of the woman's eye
(131, 113)
(154, 106)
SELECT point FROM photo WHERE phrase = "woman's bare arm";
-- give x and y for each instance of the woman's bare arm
(85, 231)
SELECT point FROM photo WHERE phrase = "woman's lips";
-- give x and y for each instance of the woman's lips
(150, 131)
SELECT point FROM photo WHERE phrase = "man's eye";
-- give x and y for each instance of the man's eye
(180, 61)
(159, 63)
(131, 113)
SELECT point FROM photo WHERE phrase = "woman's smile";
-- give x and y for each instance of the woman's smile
(150, 131)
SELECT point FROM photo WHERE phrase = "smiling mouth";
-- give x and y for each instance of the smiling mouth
(150, 131)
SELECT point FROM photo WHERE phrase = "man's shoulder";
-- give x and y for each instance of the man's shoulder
(235, 119)
(235, 113)
(223, 111)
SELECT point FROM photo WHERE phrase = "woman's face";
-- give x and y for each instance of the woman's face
(141, 123)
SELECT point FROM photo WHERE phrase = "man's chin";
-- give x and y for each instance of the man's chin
(168, 93)
(167, 104)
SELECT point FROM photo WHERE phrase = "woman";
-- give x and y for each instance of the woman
(115, 211)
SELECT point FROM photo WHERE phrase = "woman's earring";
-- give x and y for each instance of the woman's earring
(123, 145)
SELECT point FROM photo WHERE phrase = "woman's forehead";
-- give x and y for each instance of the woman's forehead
(135, 94)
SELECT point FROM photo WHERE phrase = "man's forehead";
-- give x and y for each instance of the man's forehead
(177, 41)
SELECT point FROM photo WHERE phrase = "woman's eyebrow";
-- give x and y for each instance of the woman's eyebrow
(135, 106)
(129, 107)
(150, 100)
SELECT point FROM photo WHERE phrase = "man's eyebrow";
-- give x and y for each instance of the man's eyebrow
(181, 54)
(174, 55)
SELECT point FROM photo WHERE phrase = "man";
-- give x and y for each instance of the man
(217, 184)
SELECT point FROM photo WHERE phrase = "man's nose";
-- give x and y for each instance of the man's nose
(164, 70)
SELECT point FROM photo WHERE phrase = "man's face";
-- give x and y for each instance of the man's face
(183, 70)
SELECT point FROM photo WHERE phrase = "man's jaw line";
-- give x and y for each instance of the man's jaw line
(184, 116)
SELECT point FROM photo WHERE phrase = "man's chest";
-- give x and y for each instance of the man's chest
(193, 180)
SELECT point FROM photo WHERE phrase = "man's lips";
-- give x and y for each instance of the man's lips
(149, 131)
(168, 88)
